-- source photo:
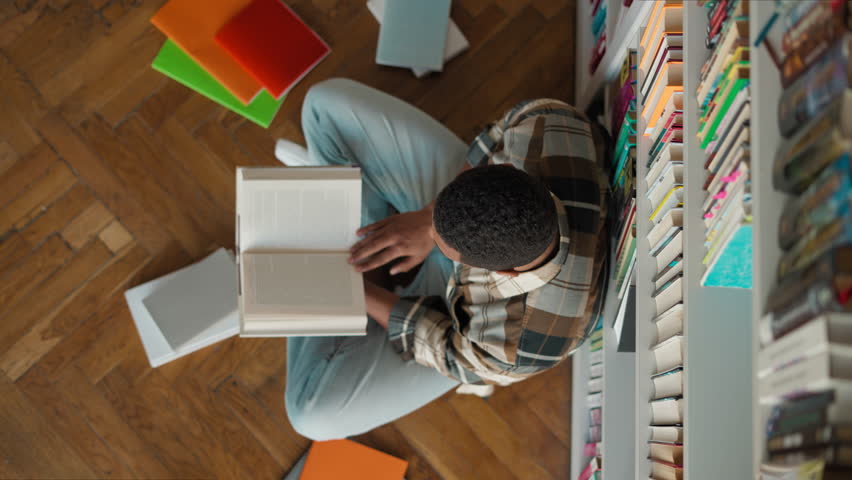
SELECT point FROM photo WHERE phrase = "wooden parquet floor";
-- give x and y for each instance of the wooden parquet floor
(111, 175)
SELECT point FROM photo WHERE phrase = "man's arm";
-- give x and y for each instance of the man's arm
(380, 302)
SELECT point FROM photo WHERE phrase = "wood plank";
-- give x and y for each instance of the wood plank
(282, 442)
(133, 94)
(223, 425)
(388, 439)
(267, 360)
(37, 197)
(218, 363)
(260, 145)
(218, 141)
(15, 23)
(28, 442)
(32, 270)
(136, 182)
(113, 80)
(552, 405)
(196, 110)
(104, 419)
(498, 436)
(13, 249)
(32, 166)
(8, 157)
(87, 225)
(76, 307)
(105, 184)
(70, 424)
(159, 106)
(22, 106)
(108, 347)
(148, 410)
(57, 216)
(216, 224)
(540, 443)
(209, 171)
(51, 293)
(115, 236)
(450, 446)
(100, 54)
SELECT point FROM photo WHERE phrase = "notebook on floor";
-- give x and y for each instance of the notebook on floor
(178, 65)
(273, 44)
(413, 34)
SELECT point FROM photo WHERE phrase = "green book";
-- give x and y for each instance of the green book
(176, 64)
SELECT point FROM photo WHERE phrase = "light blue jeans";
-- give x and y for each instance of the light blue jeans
(343, 386)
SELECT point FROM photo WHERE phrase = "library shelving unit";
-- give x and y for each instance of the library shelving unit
(768, 203)
(720, 419)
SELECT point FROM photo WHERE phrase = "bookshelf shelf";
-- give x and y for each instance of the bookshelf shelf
(621, 31)
(768, 203)
(719, 330)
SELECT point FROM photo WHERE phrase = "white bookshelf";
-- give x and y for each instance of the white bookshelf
(767, 202)
(718, 324)
(622, 25)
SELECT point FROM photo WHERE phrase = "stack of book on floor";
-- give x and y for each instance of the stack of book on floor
(243, 54)
(623, 181)
(594, 403)
(599, 32)
(660, 83)
(805, 365)
(724, 103)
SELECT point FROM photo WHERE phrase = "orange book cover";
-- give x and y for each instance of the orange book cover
(337, 459)
(192, 24)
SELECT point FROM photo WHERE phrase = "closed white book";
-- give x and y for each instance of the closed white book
(667, 411)
(814, 337)
(294, 230)
(808, 374)
(668, 354)
(669, 272)
(670, 323)
(671, 152)
(456, 41)
(667, 434)
(668, 295)
(595, 385)
(186, 310)
(668, 384)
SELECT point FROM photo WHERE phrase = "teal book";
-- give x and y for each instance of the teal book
(733, 267)
(176, 64)
(413, 34)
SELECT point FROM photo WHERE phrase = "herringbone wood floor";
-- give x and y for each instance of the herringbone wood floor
(111, 175)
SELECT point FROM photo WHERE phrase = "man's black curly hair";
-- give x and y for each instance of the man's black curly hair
(497, 217)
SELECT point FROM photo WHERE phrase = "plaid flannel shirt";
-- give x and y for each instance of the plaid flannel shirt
(495, 329)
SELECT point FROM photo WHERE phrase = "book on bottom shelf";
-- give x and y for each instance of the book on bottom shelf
(667, 411)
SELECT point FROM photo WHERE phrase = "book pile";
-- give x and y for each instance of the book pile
(660, 82)
(805, 365)
(623, 178)
(599, 32)
(594, 402)
(724, 104)
(243, 54)
(434, 41)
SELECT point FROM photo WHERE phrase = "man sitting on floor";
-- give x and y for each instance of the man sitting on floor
(514, 285)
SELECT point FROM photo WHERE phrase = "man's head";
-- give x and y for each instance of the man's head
(495, 217)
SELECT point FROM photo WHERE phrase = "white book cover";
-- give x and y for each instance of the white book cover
(667, 434)
(667, 411)
(671, 221)
(456, 41)
(809, 374)
(668, 384)
(811, 338)
(669, 323)
(669, 295)
(668, 354)
(294, 229)
(203, 317)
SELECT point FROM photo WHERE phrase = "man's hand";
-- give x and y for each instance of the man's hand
(380, 302)
(403, 235)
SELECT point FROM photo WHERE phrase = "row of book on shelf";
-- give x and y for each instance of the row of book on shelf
(593, 449)
(660, 86)
(805, 363)
(598, 24)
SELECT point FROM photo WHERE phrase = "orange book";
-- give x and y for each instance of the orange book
(192, 24)
(337, 459)
(669, 80)
(668, 20)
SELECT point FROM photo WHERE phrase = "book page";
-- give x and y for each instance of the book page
(299, 214)
(283, 284)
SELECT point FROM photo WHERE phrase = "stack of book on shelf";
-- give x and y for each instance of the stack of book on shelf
(594, 402)
(243, 54)
(805, 365)
(623, 180)
(599, 31)
(724, 103)
(660, 83)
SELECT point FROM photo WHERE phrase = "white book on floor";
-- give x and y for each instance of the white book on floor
(456, 42)
(188, 309)
(294, 229)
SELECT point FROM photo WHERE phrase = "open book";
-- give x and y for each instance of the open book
(294, 229)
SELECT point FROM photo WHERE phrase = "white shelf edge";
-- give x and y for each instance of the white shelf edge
(579, 411)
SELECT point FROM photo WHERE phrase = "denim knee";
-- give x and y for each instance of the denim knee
(309, 421)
